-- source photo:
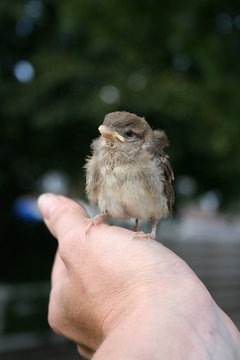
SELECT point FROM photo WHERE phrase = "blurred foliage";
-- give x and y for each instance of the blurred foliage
(176, 63)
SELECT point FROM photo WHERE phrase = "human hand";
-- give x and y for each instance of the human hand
(123, 298)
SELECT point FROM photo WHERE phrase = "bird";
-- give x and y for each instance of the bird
(128, 174)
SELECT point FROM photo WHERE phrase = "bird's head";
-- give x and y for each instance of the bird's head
(125, 131)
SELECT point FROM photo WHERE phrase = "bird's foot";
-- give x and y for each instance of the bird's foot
(136, 225)
(142, 236)
(154, 223)
(98, 219)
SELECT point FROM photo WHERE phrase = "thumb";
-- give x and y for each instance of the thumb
(61, 214)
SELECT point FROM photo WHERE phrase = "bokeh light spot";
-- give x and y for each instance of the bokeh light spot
(237, 22)
(24, 26)
(25, 208)
(186, 185)
(210, 201)
(109, 94)
(23, 71)
(181, 62)
(224, 23)
(55, 181)
(34, 8)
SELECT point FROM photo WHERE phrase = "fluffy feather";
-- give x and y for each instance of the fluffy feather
(131, 178)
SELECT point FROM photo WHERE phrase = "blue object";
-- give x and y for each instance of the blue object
(26, 209)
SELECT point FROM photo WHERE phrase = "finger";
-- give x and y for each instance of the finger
(59, 271)
(61, 214)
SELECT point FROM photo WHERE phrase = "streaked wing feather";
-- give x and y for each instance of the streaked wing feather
(168, 178)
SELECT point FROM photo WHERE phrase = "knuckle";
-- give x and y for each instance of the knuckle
(65, 250)
(55, 325)
(52, 321)
(71, 245)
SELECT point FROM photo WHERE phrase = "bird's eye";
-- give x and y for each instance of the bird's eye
(129, 133)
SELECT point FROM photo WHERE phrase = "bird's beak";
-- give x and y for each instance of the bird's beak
(108, 134)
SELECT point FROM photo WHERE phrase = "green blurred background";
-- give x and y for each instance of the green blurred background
(63, 66)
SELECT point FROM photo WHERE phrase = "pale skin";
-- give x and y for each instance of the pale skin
(121, 297)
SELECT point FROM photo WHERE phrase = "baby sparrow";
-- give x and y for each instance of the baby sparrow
(128, 174)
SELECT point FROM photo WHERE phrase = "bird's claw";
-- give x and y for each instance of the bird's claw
(98, 219)
(143, 236)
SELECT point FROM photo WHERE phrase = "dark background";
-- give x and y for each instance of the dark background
(63, 66)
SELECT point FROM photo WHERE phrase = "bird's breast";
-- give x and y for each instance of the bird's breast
(125, 193)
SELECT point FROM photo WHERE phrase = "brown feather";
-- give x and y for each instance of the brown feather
(131, 178)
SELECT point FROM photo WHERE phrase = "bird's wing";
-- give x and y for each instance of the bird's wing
(161, 141)
(168, 178)
(92, 179)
